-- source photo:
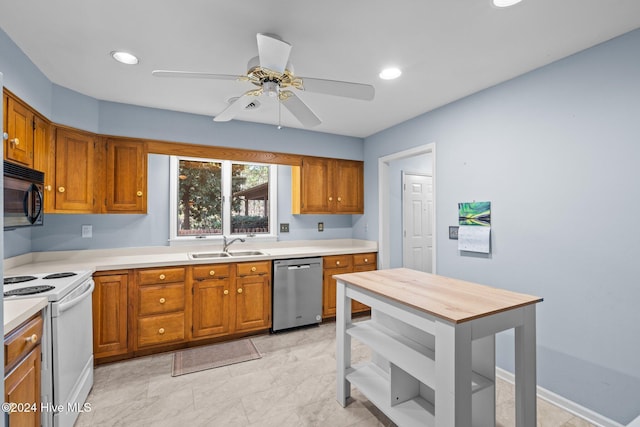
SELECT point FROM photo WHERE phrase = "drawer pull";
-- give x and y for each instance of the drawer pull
(366, 260)
(331, 199)
(253, 269)
(47, 187)
(32, 339)
(226, 292)
(161, 331)
(162, 277)
(15, 141)
(61, 189)
(139, 194)
(337, 262)
(239, 290)
(339, 199)
(162, 300)
(212, 273)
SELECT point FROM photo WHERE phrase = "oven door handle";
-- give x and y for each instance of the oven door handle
(69, 304)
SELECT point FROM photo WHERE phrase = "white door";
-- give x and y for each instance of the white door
(417, 217)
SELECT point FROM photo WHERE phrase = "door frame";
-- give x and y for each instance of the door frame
(383, 201)
(404, 213)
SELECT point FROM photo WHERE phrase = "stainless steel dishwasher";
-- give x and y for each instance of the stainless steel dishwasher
(297, 292)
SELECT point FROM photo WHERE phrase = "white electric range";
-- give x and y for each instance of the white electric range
(67, 341)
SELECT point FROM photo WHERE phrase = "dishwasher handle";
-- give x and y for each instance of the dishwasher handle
(298, 267)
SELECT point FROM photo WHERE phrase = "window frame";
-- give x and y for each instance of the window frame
(174, 162)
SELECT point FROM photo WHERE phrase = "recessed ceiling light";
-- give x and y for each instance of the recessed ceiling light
(505, 3)
(124, 57)
(390, 73)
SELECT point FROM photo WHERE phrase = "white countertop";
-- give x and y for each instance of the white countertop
(19, 310)
(158, 256)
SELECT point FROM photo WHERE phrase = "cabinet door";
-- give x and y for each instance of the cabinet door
(22, 386)
(253, 303)
(316, 186)
(211, 307)
(44, 159)
(126, 176)
(329, 292)
(349, 187)
(110, 315)
(19, 146)
(362, 262)
(75, 171)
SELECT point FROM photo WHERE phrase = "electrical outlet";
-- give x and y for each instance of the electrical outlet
(87, 231)
(321, 226)
(284, 227)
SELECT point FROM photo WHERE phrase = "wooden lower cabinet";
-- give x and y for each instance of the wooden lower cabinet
(22, 373)
(110, 317)
(212, 300)
(231, 298)
(340, 264)
(159, 306)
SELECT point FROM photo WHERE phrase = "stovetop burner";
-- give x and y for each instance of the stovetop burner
(18, 279)
(29, 290)
(59, 275)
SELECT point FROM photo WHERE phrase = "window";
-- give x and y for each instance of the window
(220, 197)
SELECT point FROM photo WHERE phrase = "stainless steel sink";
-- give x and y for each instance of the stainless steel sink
(208, 255)
(246, 253)
(230, 254)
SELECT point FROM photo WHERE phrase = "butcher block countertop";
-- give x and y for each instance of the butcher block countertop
(450, 299)
(18, 310)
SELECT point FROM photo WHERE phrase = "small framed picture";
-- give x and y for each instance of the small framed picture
(453, 232)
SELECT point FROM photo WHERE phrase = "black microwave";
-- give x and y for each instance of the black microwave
(23, 202)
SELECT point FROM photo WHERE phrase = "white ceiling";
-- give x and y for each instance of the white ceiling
(447, 49)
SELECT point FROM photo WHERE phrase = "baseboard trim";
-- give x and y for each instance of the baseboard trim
(566, 404)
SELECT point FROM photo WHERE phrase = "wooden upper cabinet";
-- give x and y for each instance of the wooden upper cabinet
(75, 171)
(126, 176)
(348, 187)
(322, 186)
(18, 147)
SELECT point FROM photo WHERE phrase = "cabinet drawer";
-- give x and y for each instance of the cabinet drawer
(364, 259)
(160, 329)
(160, 275)
(213, 271)
(22, 340)
(251, 268)
(155, 299)
(337, 261)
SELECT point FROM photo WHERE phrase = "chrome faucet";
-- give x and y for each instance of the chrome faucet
(227, 242)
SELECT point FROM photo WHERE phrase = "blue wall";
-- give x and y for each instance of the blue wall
(556, 151)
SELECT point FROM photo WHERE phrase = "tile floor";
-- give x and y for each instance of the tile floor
(293, 384)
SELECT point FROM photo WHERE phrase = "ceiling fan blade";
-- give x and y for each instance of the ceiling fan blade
(338, 88)
(236, 107)
(193, 75)
(300, 110)
(273, 52)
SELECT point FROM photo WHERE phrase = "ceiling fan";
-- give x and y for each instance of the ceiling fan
(272, 73)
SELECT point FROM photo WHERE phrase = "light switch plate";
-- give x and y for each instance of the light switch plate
(321, 226)
(284, 227)
(453, 232)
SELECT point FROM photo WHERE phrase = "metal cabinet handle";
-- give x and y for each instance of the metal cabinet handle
(47, 187)
(162, 277)
(339, 199)
(330, 199)
(212, 273)
(161, 331)
(61, 189)
(162, 300)
(226, 292)
(366, 260)
(239, 290)
(253, 269)
(15, 141)
(139, 194)
(32, 339)
(337, 262)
